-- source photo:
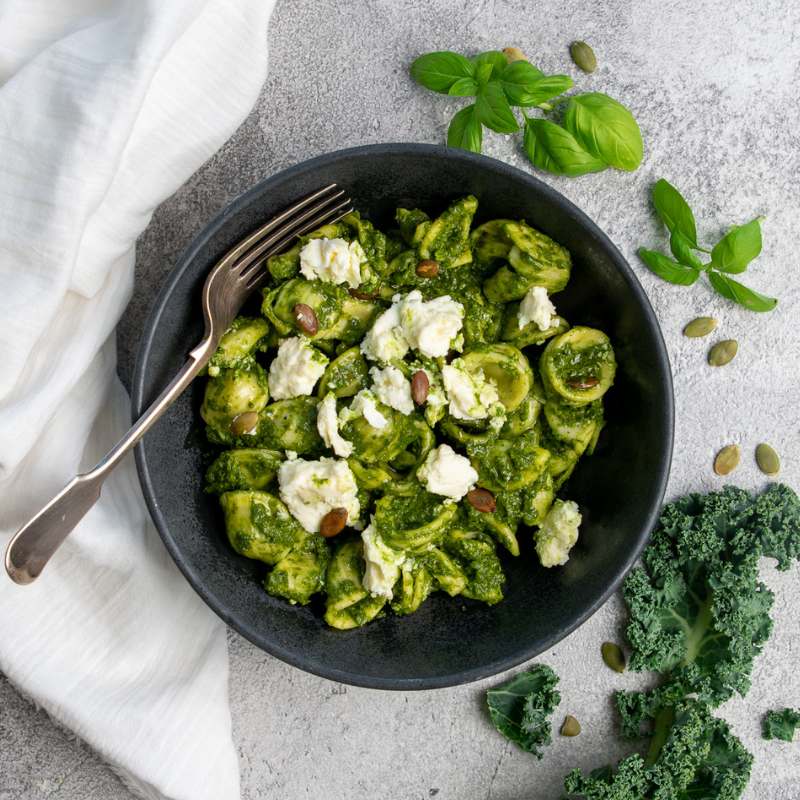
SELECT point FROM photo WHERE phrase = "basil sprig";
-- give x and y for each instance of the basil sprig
(596, 131)
(731, 255)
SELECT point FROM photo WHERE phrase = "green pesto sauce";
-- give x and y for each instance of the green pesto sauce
(447, 546)
(501, 460)
(275, 528)
(399, 513)
(288, 425)
(571, 362)
(242, 469)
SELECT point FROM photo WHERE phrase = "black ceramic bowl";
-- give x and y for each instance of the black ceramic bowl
(619, 489)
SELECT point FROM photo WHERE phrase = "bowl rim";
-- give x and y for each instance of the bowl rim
(524, 653)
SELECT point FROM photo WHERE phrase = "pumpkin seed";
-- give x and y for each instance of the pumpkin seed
(583, 56)
(333, 522)
(306, 319)
(701, 326)
(767, 459)
(428, 268)
(723, 352)
(570, 726)
(514, 54)
(420, 386)
(244, 423)
(613, 656)
(583, 382)
(727, 459)
(362, 295)
(481, 500)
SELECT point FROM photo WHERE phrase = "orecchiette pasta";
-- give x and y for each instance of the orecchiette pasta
(428, 403)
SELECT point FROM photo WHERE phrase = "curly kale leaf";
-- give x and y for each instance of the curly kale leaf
(773, 528)
(781, 724)
(698, 612)
(521, 708)
(692, 755)
(699, 616)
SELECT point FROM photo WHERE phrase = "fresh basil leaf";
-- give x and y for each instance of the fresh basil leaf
(463, 87)
(674, 212)
(525, 85)
(534, 93)
(494, 111)
(483, 72)
(666, 268)
(606, 129)
(439, 71)
(522, 707)
(494, 58)
(682, 250)
(737, 248)
(465, 131)
(733, 290)
(520, 72)
(553, 149)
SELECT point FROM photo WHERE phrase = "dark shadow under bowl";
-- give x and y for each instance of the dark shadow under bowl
(619, 489)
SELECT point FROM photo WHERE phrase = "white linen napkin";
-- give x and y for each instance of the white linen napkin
(106, 107)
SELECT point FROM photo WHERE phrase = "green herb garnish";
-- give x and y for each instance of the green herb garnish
(521, 708)
(596, 131)
(781, 724)
(699, 615)
(731, 255)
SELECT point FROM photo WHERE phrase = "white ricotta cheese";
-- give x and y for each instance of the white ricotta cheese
(332, 261)
(311, 489)
(382, 564)
(536, 307)
(392, 388)
(385, 340)
(328, 427)
(558, 533)
(471, 395)
(431, 327)
(364, 404)
(447, 473)
(296, 368)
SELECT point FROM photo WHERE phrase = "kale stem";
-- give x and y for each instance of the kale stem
(664, 720)
(694, 641)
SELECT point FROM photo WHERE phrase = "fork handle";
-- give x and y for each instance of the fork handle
(35, 542)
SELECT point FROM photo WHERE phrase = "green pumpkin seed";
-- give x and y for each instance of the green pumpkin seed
(613, 656)
(701, 326)
(723, 352)
(727, 459)
(570, 726)
(242, 423)
(583, 56)
(767, 460)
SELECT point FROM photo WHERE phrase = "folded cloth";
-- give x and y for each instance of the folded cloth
(106, 107)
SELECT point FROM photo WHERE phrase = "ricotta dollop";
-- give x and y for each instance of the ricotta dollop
(311, 489)
(295, 369)
(536, 307)
(328, 427)
(333, 261)
(447, 473)
(558, 533)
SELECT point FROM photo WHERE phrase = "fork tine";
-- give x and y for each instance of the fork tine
(244, 265)
(254, 274)
(236, 252)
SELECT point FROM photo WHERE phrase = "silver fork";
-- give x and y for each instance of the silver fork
(226, 288)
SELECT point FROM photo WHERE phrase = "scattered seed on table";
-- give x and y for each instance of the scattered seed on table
(727, 459)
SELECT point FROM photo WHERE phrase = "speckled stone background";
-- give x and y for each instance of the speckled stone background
(714, 86)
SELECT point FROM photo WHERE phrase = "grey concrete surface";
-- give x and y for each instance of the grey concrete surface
(714, 86)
